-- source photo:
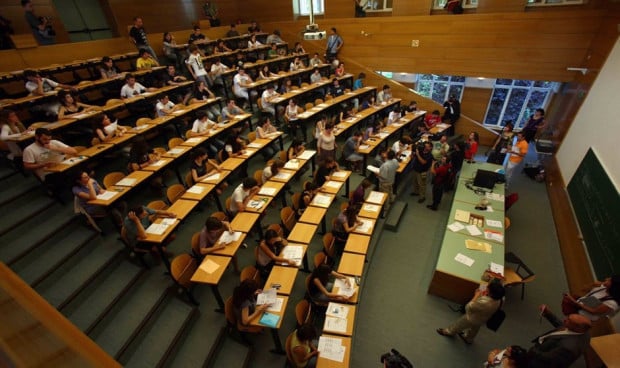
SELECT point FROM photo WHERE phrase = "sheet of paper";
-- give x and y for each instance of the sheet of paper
(106, 195)
(496, 268)
(495, 197)
(494, 223)
(127, 182)
(194, 140)
(383, 135)
(331, 348)
(456, 226)
(364, 147)
(292, 165)
(212, 177)
(196, 189)
(283, 176)
(254, 145)
(463, 216)
(339, 174)
(267, 191)
(370, 207)
(375, 197)
(337, 310)
(321, 200)
(494, 235)
(476, 245)
(335, 324)
(306, 154)
(365, 226)
(168, 221)
(156, 229)
(276, 307)
(473, 230)
(73, 160)
(464, 259)
(333, 184)
(268, 296)
(175, 151)
(255, 204)
(489, 208)
(295, 252)
(227, 237)
(209, 266)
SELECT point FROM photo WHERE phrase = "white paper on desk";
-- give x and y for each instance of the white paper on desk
(267, 191)
(292, 165)
(372, 169)
(333, 184)
(127, 182)
(304, 114)
(212, 177)
(364, 147)
(73, 160)
(141, 127)
(175, 151)
(464, 259)
(276, 307)
(473, 230)
(157, 229)
(383, 135)
(227, 237)
(159, 163)
(370, 207)
(365, 226)
(456, 226)
(168, 221)
(209, 266)
(375, 197)
(294, 252)
(179, 112)
(343, 288)
(196, 189)
(306, 154)
(496, 268)
(321, 105)
(249, 152)
(193, 140)
(337, 310)
(339, 174)
(495, 197)
(489, 209)
(255, 204)
(494, 223)
(106, 195)
(268, 296)
(321, 200)
(254, 145)
(494, 235)
(283, 176)
(335, 324)
(331, 348)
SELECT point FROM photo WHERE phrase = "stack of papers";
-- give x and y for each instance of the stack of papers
(212, 177)
(495, 196)
(127, 182)
(496, 268)
(157, 229)
(227, 237)
(196, 189)
(375, 197)
(267, 191)
(333, 184)
(106, 195)
(476, 245)
(335, 324)
(337, 310)
(194, 140)
(293, 252)
(456, 226)
(321, 200)
(276, 307)
(370, 207)
(283, 176)
(339, 174)
(306, 155)
(345, 287)
(175, 151)
(331, 348)
(254, 145)
(267, 297)
(292, 165)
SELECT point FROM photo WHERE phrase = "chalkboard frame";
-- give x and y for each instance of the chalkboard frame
(596, 205)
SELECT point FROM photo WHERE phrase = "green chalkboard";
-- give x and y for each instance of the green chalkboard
(596, 203)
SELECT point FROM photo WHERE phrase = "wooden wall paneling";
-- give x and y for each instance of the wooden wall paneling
(339, 9)
(11, 60)
(411, 7)
(67, 52)
(504, 6)
(265, 11)
(13, 11)
(475, 101)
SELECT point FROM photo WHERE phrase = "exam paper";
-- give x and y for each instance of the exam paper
(456, 226)
(156, 229)
(339, 174)
(267, 191)
(106, 195)
(335, 324)
(375, 197)
(321, 200)
(209, 266)
(268, 296)
(227, 237)
(494, 223)
(370, 207)
(127, 182)
(337, 310)
(276, 307)
(365, 226)
(464, 259)
(333, 184)
(306, 154)
(212, 177)
(473, 230)
(196, 189)
(331, 348)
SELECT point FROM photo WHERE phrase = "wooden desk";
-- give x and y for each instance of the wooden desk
(158, 165)
(350, 318)
(216, 177)
(357, 243)
(232, 163)
(118, 192)
(326, 363)
(304, 257)
(202, 190)
(177, 151)
(302, 233)
(96, 149)
(323, 200)
(120, 139)
(231, 248)
(182, 208)
(278, 349)
(376, 197)
(370, 210)
(203, 277)
(137, 178)
(332, 186)
(66, 164)
(342, 175)
(244, 221)
(258, 199)
(351, 264)
(285, 276)
(283, 176)
(313, 215)
(370, 230)
(195, 141)
(267, 189)
(606, 347)
(160, 238)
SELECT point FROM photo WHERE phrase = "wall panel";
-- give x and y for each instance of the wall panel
(475, 101)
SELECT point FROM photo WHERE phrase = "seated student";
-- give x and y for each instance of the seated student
(402, 145)
(39, 86)
(168, 46)
(393, 116)
(287, 86)
(385, 95)
(432, 119)
(241, 82)
(349, 152)
(316, 76)
(43, 153)
(107, 70)
(310, 190)
(244, 304)
(339, 72)
(412, 107)
(210, 234)
(231, 109)
(347, 112)
(12, 128)
(85, 189)
(326, 168)
(298, 49)
(221, 47)
(133, 88)
(270, 170)
(197, 36)
(266, 130)
(141, 156)
(166, 107)
(319, 287)
(335, 89)
(316, 60)
(146, 60)
(172, 78)
(253, 42)
(273, 51)
(202, 127)
(253, 28)
(373, 130)
(267, 100)
(296, 65)
(266, 73)
(242, 194)
(217, 68)
(472, 146)
(295, 149)
(202, 93)
(203, 167)
(358, 195)
(232, 32)
(304, 352)
(274, 38)
(138, 220)
(368, 102)
(345, 223)
(105, 130)
(233, 146)
(269, 253)
(70, 106)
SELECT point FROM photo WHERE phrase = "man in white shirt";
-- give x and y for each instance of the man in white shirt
(385, 95)
(242, 194)
(267, 100)
(201, 125)
(241, 82)
(217, 68)
(43, 153)
(164, 106)
(196, 67)
(133, 88)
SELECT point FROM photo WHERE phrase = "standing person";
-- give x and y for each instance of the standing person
(498, 152)
(452, 112)
(477, 312)
(516, 153)
(168, 48)
(387, 176)
(196, 67)
(326, 145)
(441, 171)
(139, 38)
(211, 13)
(334, 43)
(41, 26)
(534, 124)
(290, 113)
(421, 164)
(472, 146)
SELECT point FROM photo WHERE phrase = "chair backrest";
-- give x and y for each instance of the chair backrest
(95, 141)
(318, 101)
(157, 205)
(159, 150)
(250, 272)
(229, 312)
(277, 228)
(309, 105)
(142, 121)
(196, 244)
(189, 179)
(112, 178)
(79, 148)
(295, 201)
(302, 312)
(328, 244)
(174, 192)
(289, 349)
(227, 203)
(343, 206)
(319, 259)
(258, 176)
(182, 269)
(251, 136)
(305, 84)
(113, 101)
(283, 156)
(522, 269)
(287, 216)
(173, 142)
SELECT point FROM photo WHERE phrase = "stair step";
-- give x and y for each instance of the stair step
(89, 306)
(16, 186)
(396, 212)
(172, 322)
(21, 210)
(46, 257)
(233, 354)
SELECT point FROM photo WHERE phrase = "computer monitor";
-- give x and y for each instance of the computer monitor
(485, 179)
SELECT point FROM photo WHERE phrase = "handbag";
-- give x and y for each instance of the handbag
(496, 319)
(568, 307)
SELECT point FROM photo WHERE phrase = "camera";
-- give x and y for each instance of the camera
(394, 359)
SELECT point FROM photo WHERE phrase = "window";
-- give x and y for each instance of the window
(554, 2)
(440, 87)
(376, 5)
(439, 4)
(516, 100)
(302, 7)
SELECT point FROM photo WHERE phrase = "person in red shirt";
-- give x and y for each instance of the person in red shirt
(441, 171)
(472, 146)
(432, 119)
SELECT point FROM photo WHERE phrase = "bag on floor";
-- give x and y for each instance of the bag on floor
(496, 319)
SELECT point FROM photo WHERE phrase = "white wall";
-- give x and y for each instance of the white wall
(597, 124)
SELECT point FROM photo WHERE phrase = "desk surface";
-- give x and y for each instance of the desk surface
(606, 347)
(244, 221)
(182, 207)
(326, 363)
(350, 318)
(230, 248)
(313, 215)
(302, 233)
(201, 276)
(255, 321)
(198, 192)
(351, 264)
(357, 243)
(285, 276)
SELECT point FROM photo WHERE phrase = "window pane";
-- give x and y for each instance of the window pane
(537, 99)
(426, 76)
(523, 83)
(456, 90)
(441, 77)
(515, 104)
(439, 92)
(504, 82)
(543, 84)
(458, 79)
(424, 88)
(495, 106)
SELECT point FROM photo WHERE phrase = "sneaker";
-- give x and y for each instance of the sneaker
(431, 207)
(244, 246)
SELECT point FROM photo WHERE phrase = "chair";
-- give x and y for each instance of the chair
(506, 222)
(227, 206)
(309, 105)
(173, 142)
(303, 312)
(520, 275)
(113, 102)
(157, 205)
(258, 176)
(79, 149)
(220, 215)
(277, 228)
(189, 179)
(195, 242)
(283, 155)
(233, 325)
(95, 141)
(174, 192)
(289, 351)
(318, 101)
(328, 245)
(250, 272)
(305, 84)
(251, 136)
(318, 305)
(159, 150)
(287, 216)
(142, 121)
(295, 201)
(182, 268)
(78, 209)
(319, 259)
(112, 178)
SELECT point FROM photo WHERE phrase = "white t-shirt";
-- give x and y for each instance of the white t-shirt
(5, 135)
(37, 154)
(255, 44)
(160, 108)
(48, 85)
(315, 77)
(238, 195)
(202, 126)
(218, 68)
(267, 174)
(291, 111)
(599, 293)
(240, 79)
(267, 96)
(393, 117)
(195, 62)
(128, 91)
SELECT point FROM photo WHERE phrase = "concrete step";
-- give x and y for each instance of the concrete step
(15, 214)
(393, 217)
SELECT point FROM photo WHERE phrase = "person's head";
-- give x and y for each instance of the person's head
(296, 143)
(107, 61)
(288, 82)
(249, 183)
(333, 30)
(213, 224)
(273, 239)
(405, 140)
(30, 74)
(517, 356)
(171, 70)
(241, 70)
(613, 287)
(509, 126)
(276, 166)
(496, 290)
(193, 48)
(266, 123)
(386, 88)
(27, 5)
(292, 102)
(316, 55)
(311, 187)
(274, 46)
(245, 291)
(196, 30)
(413, 104)
(539, 113)
(391, 155)
(130, 79)
(167, 36)
(8, 116)
(351, 213)
(357, 134)
(137, 22)
(329, 162)
(435, 113)
(231, 103)
(82, 178)
(139, 146)
(253, 37)
(577, 323)
(102, 121)
(65, 98)
(43, 136)
(139, 211)
(163, 99)
(144, 53)
(443, 139)
(322, 273)
(276, 32)
(233, 26)
(361, 76)
(220, 42)
(428, 146)
(459, 146)
(198, 154)
(329, 127)
(520, 136)
(341, 65)
(335, 82)
(474, 136)
(306, 332)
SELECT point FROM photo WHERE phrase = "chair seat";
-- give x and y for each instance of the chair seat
(511, 277)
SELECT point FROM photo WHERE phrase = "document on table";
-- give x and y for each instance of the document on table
(331, 348)
(212, 177)
(495, 197)
(375, 197)
(175, 151)
(227, 237)
(383, 135)
(267, 191)
(370, 207)
(193, 140)
(337, 310)
(209, 266)
(344, 288)
(306, 154)
(476, 245)
(363, 147)
(73, 160)
(321, 200)
(335, 324)
(292, 164)
(494, 235)
(496, 268)
(127, 182)
(283, 176)
(293, 252)
(168, 221)
(473, 230)
(268, 296)
(333, 184)
(256, 204)
(463, 216)
(196, 189)
(339, 174)
(365, 226)
(254, 145)
(106, 195)
(456, 226)
(156, 229)
(494, 223)
(489, 208)
(276, 307)
(464, 259)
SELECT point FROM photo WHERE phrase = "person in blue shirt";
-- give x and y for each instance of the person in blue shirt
(359, 82)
